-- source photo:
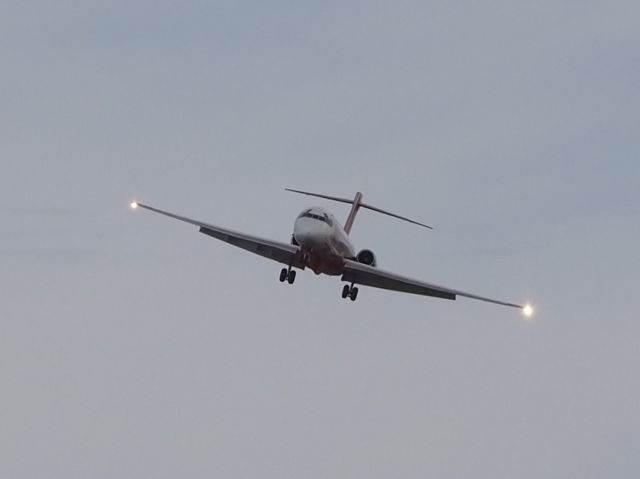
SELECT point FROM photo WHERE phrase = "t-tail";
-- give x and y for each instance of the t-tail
(356, 204)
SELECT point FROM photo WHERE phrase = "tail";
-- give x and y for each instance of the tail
(356, 205)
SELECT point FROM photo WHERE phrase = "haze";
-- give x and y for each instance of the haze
(132, 346)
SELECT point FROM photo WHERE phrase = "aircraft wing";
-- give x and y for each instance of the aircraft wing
(366, 275)
(280, 252)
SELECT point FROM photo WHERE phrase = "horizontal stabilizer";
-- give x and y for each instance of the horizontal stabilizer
(358, 204)
(326, 197)
(373, 208)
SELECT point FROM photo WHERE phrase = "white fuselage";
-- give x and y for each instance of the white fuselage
(322, 240)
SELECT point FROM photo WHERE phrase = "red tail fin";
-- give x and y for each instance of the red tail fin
(357, 202)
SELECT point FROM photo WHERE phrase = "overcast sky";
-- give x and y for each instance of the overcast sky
(132, 346)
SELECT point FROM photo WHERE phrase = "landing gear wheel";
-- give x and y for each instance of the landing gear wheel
(349, 291)
(345, 291)
(283, 274)
(291, 277)
(354, 294)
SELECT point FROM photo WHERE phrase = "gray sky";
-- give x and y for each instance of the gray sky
(131, 346)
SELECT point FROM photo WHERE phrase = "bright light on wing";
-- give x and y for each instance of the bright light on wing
(528, 310)
(133, 205)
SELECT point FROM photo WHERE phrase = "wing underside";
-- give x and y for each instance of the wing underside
(274, 250)
(366, 275)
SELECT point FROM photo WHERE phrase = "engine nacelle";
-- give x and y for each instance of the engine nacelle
(367, 257)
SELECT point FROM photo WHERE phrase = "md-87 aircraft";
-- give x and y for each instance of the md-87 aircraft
(321, 243)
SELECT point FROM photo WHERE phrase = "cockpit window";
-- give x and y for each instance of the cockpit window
(325, 218)
(309, 214)
(304, 213)
(316, 217)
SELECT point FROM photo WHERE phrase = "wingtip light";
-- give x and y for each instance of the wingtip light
(133, 205)
(527, 311)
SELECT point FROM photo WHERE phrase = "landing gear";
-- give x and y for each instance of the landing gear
(288, 275)
(345, 291)
(349, 291)
(354, 294)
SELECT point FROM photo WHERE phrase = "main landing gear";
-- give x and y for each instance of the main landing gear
(288, 274)
(350, 291)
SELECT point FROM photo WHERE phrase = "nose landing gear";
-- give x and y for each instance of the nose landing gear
(288, 274)
(349, 291)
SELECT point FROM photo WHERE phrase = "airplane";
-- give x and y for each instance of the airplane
(319, 242)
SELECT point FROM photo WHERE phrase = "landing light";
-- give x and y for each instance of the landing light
(528, 310)
(133, 205)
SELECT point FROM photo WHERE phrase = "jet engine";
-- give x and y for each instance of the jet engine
(366, 257)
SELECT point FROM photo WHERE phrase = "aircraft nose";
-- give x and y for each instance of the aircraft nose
(310, 233)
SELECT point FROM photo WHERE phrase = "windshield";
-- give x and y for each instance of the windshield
(309, 214)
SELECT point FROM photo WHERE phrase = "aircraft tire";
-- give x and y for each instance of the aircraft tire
(283, 274)
(291, 277)
(354, 294)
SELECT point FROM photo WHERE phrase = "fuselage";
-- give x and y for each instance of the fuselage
(323, 241)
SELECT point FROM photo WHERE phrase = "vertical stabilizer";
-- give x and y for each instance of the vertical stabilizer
(357, 201)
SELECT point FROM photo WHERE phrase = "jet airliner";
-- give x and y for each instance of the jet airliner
(319, 242)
